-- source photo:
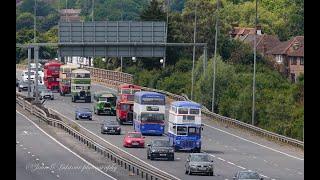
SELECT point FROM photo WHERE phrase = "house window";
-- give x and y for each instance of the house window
(279, 59)
(302, 61)
(293, 60)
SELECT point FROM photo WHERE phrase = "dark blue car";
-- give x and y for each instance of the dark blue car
(83, 113)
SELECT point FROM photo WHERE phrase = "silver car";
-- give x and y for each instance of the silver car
(247, 175)
(46, 94)
(199, 163)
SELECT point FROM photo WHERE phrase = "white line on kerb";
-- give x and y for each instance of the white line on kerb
(113, 144)
(65, 147)
(264, 176)
(221, 159)
(241, 167)
(231, 163)
(254, 142)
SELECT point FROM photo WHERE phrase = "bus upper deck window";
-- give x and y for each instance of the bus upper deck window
(183, 110)
(194, 111)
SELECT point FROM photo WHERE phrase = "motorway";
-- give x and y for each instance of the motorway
(38, 156)
(232, 151)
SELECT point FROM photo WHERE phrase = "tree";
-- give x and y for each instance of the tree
(153, 12)
(24, 21)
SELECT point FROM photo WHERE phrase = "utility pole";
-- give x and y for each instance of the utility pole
(121, 63)
(194, 49)
(254, 64)
(215, 59)
(35, 21)
(165, 51)
(66, 11)
(92, 10)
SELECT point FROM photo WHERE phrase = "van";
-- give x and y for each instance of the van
(24, 75)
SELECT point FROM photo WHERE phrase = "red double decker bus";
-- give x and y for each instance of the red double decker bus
(51, 74)
(125, 103)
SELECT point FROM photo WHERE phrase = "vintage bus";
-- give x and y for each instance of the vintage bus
(65, 78)
(51, 75)
(149, 113)
(128, 89)
(125, 108)
(80, 85)
(184, 126)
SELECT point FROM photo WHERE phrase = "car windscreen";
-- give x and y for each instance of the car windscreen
(84, 109)
(200, 158)
(248, 175)
(113, 123)
(160, 143)
(134, 135)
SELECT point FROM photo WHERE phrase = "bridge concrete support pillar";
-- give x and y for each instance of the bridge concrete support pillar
(29, 68)
(36, 59)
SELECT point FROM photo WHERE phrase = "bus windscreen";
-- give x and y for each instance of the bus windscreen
(148, 117)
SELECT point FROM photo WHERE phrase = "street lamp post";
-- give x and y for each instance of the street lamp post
(215, 60)
(194, 50)
(254, 64)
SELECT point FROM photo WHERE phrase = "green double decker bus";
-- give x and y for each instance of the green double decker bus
(80, 85)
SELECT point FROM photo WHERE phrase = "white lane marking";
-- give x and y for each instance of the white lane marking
(21, 145)
(234, 149)
(265, 161)
(276, 165)
(32, 155)
(17, 142)
(28, 152)
(26, 132)
(37, 159)
(221, 159)
(212, 155)
(301, 159)
(52, 172)
(65, 147)
(58, 176)
(254, 157)
(113, 145)
(24, 148)
(300, 173)
(287, 169)
(231, 163)
(241, 167)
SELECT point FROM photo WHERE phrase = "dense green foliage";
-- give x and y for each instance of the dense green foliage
(279, 103)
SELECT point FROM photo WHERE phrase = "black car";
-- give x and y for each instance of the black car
(244, 175)
(110, 127)
(23, 86)
(160, 149)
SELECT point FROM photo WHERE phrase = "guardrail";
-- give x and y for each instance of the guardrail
(223, 119)
(141, 170)
(113, 79)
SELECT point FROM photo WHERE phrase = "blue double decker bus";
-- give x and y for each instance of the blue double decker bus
(149, 113)
(184, 129)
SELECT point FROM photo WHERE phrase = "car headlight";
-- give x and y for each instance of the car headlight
(192, 165)
(153, 150)
(142, 126)
(171, 150)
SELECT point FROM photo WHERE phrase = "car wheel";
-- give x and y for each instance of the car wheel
(151, 158)
(211, 173)
(76, 117)
(186, 172)
(148, 157)
(90, 118)
(52, 98)
(19, 90)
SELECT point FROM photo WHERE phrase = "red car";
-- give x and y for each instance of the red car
(133, 139)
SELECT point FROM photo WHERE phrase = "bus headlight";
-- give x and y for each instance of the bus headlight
(161, 127)
(198, 143)
(142, 126)
(178, 142)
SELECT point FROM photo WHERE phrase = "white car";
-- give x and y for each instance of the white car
(24, 75)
